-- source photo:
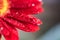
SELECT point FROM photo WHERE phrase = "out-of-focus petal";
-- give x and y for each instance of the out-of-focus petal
(9, 32)
(3, 30)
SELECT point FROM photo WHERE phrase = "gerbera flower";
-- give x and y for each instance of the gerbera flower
(18, 14)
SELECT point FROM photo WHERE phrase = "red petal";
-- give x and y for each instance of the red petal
(31, 28)
(27, 27)
(3, 30)
(26, 6)
(33, 10)
(27, 19)
(14, 23)
(9, 32)
(13, 35)
(24, 3)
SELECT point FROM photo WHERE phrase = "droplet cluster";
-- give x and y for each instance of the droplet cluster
(20, 16)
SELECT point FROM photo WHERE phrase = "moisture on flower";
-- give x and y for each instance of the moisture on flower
(18, 14)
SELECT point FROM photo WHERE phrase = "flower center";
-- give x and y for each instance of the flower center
(3, 7)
